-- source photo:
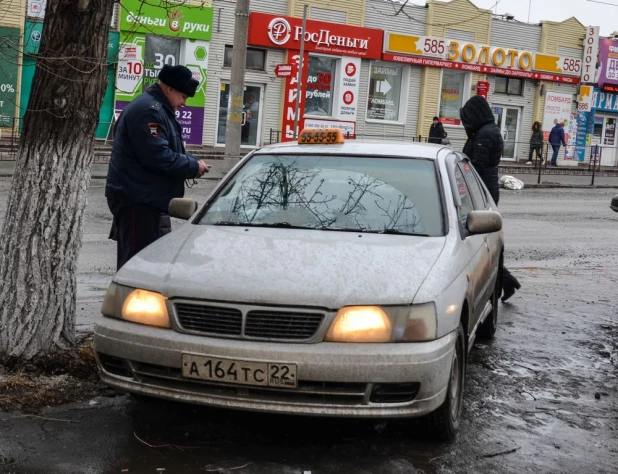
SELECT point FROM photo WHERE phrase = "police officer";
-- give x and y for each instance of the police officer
(149, 163)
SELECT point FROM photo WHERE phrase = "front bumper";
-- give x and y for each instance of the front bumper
(334, 379)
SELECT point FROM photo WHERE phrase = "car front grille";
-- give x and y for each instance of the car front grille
(282, 325)
(209, 319)
(248, 322)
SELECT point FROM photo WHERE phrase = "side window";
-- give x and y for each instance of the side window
(466, 200)
(478, 196)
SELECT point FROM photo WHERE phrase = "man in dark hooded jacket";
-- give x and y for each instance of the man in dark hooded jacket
(484, 147)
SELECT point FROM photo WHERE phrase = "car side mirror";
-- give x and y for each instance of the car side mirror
(484, 222)
(614, 204)
(182, 208)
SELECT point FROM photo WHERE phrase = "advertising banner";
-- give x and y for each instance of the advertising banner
(292, 89)
(557, 109)
(166, 19)
(285, 32)
(140, 60)
(9, 60)
(607, 65)
(349, 89)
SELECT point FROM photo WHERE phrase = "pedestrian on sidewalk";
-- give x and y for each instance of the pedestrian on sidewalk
(436, 131)
(536, 143)
(556, 138)
(149, 163)
(484, 147)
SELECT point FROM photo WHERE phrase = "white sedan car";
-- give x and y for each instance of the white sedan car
(324, 277)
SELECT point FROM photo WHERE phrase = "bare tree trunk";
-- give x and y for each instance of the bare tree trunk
(42, 231)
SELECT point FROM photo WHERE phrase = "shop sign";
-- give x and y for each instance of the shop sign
(584, 98)
(418, 61)
(8, 75)
(591, 53)
(348, 128)
(607, 72)
(140, 59)
(285, 32)
(482, 88)
(292, 89)
(286, 70)
(167, 19)
(604, 101)
(36, 8)
(439, 52)
(349, 84)
(557, 109)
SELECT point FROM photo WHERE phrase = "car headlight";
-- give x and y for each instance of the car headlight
(136, 305)
(361, 324)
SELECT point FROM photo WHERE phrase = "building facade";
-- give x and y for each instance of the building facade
(371, 67)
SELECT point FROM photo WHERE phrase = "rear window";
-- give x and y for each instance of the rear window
(365, 194)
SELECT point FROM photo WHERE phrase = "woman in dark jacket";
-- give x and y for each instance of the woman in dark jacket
(536, 143)
(484, 147)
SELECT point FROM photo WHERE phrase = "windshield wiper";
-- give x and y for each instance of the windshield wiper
(395, 231)
(366, 231)
(286, 225)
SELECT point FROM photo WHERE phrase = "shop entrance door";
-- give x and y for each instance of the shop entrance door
(604, 134)
(508, 119)
(251, 115)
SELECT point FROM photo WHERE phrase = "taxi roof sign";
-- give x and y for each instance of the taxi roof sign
(316, 136)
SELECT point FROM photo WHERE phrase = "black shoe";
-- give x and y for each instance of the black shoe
(507, 293)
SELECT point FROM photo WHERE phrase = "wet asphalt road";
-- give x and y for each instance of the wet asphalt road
(530, 402)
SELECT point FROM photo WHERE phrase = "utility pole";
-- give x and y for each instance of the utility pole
(237, 85)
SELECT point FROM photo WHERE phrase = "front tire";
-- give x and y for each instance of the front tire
(444, 422)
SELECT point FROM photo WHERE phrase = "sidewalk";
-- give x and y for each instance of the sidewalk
(526, 174)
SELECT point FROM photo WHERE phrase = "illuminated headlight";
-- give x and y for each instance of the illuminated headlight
(362, 324)
(136, 305)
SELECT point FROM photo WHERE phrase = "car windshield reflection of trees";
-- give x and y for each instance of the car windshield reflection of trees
(290, 192)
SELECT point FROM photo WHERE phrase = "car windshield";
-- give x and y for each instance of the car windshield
(347, 193)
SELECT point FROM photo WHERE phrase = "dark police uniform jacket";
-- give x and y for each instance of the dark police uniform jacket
(149, 163)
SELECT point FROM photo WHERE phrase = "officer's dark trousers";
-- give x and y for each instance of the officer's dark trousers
(135, 227)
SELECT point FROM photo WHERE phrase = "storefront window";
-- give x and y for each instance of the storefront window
(320, 86)
(256, 58)
(452, 96)
(384, 92)
(508, 85)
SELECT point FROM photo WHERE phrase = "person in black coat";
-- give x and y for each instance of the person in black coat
(149, 163)
(484, 147)
(436, 131)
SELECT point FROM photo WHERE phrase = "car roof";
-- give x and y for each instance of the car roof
(360, 147)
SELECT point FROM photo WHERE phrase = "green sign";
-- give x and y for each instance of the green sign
(167, 19)
(8, 74)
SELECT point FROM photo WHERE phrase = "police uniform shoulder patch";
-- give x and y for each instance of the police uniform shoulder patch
(153, 129)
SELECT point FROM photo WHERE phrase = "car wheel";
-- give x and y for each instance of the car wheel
(444, 422)
(487, 330)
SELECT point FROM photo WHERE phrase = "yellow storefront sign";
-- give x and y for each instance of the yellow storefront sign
(480, 54)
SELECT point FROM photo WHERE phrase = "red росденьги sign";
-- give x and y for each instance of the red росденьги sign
(285, 32)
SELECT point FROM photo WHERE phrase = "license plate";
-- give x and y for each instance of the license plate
(265, 374)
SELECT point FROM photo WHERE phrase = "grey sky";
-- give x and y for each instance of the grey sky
(587, 12)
